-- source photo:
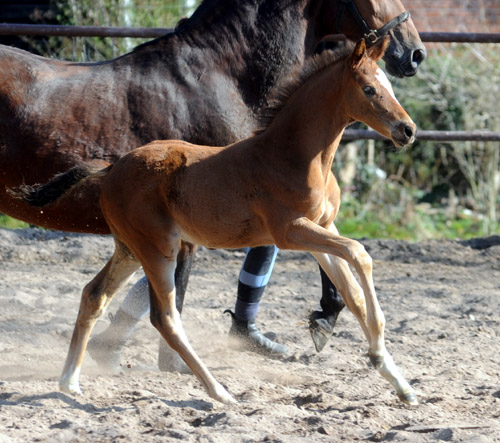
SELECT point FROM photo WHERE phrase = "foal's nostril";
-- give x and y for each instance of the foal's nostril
(418, 56)
(409, 131)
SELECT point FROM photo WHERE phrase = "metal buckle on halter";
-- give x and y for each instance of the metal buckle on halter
(372, 37)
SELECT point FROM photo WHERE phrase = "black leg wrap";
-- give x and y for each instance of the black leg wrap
(321, 323)
(252, 339)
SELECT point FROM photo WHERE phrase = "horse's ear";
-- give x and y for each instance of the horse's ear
(358, 54)
(377, 51)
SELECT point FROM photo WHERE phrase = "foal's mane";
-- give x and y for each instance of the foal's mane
(315, 64)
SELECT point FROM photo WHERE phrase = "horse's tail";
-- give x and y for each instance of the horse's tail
(43, 194)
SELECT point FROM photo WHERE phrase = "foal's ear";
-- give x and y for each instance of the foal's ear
(358, 54)
(376, 52)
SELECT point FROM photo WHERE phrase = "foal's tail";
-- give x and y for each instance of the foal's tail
(43, 194)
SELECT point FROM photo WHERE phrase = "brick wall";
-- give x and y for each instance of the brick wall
(455, 15)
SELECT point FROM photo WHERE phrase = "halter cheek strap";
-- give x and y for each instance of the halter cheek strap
(371, 36)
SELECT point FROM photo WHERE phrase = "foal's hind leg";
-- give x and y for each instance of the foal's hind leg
(168, 359)
(160, 268)
(96, 297)
(306, 235)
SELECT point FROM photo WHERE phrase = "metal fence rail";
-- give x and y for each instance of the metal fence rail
(442, 136)
(349, 134)
(81, 31)
(107, 31)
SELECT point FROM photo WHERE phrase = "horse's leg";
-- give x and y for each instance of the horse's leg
(321, 323)
(160, 270)
(168, 360)
(96, 297)
(185, 260)
(106, 348)
(254, 277)
(306, 235)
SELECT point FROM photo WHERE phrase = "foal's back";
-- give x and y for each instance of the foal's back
(207, 194)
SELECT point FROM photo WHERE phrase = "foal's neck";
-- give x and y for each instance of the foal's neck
(309, 127)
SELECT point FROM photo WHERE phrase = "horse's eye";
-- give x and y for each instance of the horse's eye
(369, 91)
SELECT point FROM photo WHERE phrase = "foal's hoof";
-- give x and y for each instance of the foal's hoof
(219, 393)
(70, 388)
(408, 398)
(320, 328)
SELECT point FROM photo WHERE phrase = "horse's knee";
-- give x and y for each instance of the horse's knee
(361, 257)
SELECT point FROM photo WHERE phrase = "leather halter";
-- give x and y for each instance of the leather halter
(371, 36)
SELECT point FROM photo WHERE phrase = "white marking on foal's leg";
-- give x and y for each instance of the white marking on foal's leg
(69, 383)
(384, 81)
(386, 366)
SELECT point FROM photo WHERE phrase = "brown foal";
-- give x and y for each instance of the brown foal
(274, 188)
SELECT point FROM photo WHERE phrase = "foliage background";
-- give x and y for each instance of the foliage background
(433, 189)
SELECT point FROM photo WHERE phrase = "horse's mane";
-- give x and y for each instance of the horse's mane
(209, 11)
(205, 15)
(315, 64)
(200, 13)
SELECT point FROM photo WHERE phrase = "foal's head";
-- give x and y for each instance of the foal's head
(370, 99)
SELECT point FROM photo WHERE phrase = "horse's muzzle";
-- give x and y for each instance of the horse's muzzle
(405, 63)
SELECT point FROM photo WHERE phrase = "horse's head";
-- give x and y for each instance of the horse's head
(373, 20)
(369, 96)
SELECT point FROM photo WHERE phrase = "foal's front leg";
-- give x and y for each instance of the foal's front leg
(96, 297)
(328, 246)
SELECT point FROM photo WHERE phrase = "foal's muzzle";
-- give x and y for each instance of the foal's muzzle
(404, 134)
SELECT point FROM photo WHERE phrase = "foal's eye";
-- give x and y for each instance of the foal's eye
(369, 91)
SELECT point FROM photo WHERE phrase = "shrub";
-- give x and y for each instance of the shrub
(444, 189)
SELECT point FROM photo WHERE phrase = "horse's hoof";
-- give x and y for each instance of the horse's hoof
(106, 353)
(408, 398)
(321, 330)
(247, 336)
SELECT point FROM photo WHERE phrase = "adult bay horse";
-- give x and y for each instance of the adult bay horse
(205, 83)
(274, 188)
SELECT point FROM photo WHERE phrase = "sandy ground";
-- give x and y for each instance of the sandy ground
(441, 300)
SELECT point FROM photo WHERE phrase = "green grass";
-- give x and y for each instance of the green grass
(415, 223)
(11, 223)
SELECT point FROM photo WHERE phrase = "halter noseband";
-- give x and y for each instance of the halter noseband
(371, 36)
